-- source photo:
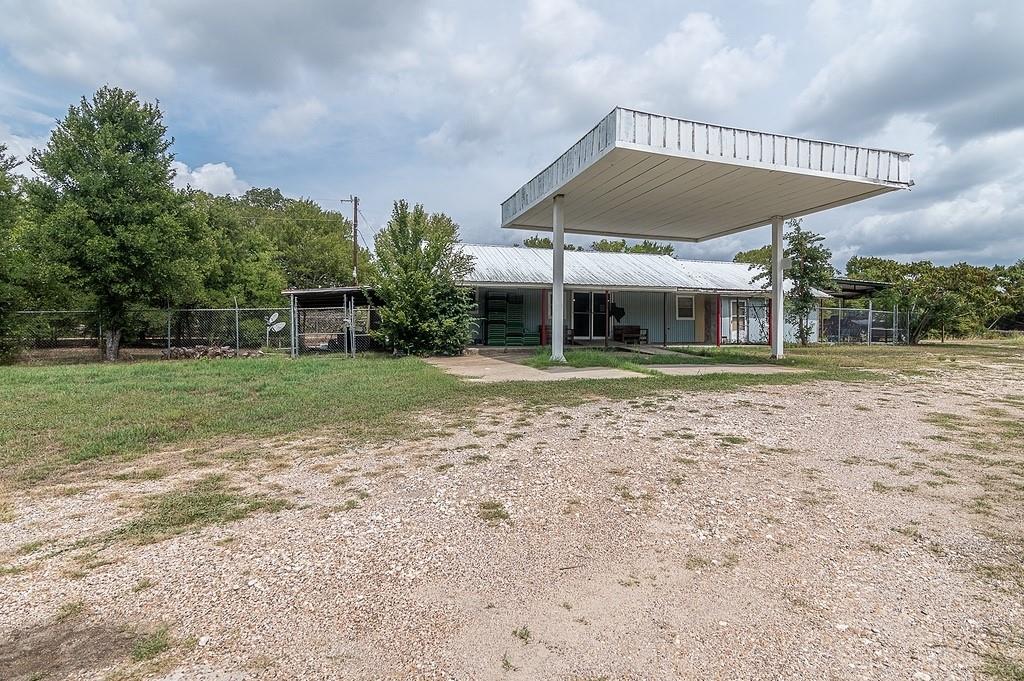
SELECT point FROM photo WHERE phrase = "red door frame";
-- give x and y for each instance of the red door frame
(718, 321)
(543, 316)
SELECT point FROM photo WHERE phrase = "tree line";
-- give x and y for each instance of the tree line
(961, 300)
(98, 225)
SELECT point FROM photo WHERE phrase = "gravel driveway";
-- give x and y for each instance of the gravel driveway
(822, 531)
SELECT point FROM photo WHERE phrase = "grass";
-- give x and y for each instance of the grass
(1002, 668)
(69, 610)
(61, 417)
(148, 646)
(522, 633)
(58, 418)
(493, 511)
(201, 503)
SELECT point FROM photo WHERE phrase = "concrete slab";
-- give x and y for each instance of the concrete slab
(701, 369)
(490, 369)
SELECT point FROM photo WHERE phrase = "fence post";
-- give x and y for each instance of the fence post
(352, 325)
(895, 324)
(238, 341)
(871, 311)
(168, 332)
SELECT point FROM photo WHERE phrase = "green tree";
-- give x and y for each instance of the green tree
(419, 270)
(106, 204)
(312, 246)
(545, 242)
(244, 263)
(760, 257)
(620, 246)
(12, 294)
(810, 271)
(959, 299)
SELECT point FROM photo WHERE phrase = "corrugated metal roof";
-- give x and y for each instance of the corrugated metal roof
(510, 265)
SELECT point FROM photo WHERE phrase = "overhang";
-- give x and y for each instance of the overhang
(641, 175)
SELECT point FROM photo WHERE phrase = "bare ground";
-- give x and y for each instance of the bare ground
(825, 531)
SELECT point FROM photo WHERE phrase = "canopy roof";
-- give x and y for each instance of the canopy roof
(643, 175)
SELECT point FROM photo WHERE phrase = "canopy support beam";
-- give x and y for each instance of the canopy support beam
(558, 278)
(778, 331)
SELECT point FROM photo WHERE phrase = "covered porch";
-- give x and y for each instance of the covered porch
(513, 317)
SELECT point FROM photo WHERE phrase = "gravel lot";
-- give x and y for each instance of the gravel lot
(823, 531)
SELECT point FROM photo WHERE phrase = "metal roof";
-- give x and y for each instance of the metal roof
(643, 175)
(511, 266)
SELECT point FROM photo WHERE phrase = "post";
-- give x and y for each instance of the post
(895, 323)
(237, 336)
(664, 319)
(355, 242)
(352, 324)
(294, 324)
(606, 329)
(344, 338)
(778, 332)
(543, 316)
(839, 324)
(718, 320)
(871, 311)
(168, 332)
(557, 278)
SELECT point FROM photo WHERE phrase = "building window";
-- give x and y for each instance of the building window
(684, 307)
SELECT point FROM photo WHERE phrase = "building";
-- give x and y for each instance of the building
(618, 298)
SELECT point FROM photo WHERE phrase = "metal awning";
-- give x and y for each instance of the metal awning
(849, 289)
(641, 175)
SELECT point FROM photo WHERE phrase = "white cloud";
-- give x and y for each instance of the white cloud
(215, 178)
(293, 121)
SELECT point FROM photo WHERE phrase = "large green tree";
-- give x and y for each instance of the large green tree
(420, 266)
(12, 294)
(810, 271)
(105, 202)
(761, 257)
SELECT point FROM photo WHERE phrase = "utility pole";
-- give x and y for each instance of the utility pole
(354, 200)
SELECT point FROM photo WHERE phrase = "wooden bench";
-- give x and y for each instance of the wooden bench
(629, 334)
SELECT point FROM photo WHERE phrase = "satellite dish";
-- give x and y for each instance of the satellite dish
(277, 327)
(271, 319)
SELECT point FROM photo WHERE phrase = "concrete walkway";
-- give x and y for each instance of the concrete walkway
(493, 369)
(490, 369)
(702, 369)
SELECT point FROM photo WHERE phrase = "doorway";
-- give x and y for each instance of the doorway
(738, 321)
(589, 314)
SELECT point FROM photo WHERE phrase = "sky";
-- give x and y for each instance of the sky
(455, 104)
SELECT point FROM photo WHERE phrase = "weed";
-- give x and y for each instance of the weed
(143, 584)
(493, 511)
(522, 633)
(69, 610)
(148, 646)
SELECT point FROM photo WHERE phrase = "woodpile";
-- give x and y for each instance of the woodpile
(207, 352)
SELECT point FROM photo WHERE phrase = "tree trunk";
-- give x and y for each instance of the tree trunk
(111, 345)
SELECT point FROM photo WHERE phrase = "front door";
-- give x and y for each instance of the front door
(738, 321)
(589, 314)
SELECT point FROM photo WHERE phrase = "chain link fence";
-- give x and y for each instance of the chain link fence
(77, 335)
(859, 325)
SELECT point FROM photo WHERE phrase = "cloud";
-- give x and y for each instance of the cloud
(294, 121)
(215, 178)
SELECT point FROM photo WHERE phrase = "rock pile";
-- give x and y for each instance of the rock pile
(207, 351)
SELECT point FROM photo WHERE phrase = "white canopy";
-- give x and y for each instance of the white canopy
(642, 175)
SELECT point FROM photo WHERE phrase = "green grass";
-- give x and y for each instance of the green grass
(148, 646)
(612, 358)
(57, 418)
(201, 503)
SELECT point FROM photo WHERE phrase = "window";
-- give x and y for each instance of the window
(684, 307)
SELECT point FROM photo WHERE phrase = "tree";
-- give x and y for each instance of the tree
(420, 267)
(545, 242)
(620, 246)
(810, 270)
(12, 294)
(759, 257)
(105, 201)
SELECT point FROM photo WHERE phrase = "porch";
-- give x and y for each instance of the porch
(516, 316)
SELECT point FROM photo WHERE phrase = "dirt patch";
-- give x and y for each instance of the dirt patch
(814, 531)
(65, 648)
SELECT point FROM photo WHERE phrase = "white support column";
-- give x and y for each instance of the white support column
(557, 279)
(778, 331)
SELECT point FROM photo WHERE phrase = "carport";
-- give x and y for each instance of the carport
(644, 176)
